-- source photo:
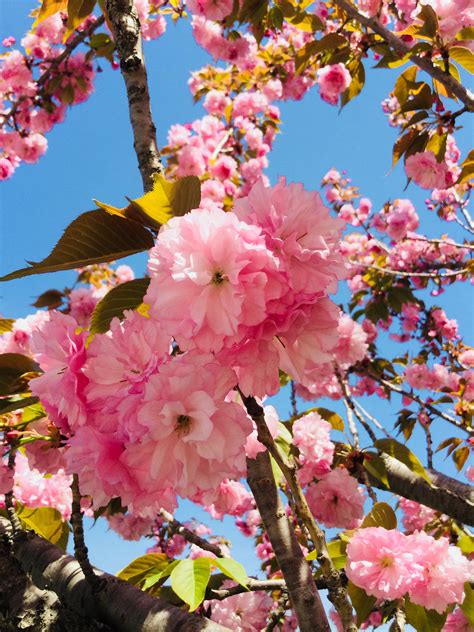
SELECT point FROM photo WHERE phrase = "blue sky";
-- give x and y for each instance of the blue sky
(91, 156)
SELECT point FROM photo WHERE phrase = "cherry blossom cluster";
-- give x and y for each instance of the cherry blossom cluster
(388, 565)
(39, 81)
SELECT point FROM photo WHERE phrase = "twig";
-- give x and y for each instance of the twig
(179, 528)
(294, 408)
(400, 47)
(440, 242)
(80, 548)
(404, 273)
(9, 505)
(375, 421)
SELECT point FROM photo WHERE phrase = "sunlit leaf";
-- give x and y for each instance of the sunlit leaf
(404, 455)
(6, 325)
(46, 522)
(48, 8)
(189, 580)
(144, 566)
(9, 404)
(362, 602)
(231, 568)
(423, 620)
(381, 515)
(13, 368)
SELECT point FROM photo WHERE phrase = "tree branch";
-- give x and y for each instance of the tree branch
(302, 590)
(176, 527)
(337, 592)
(125, 25)
(400, 47)
(445, 495)
(119, 605)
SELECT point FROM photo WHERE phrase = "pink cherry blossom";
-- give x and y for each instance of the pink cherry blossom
(337, 500)
(311, 436)
(445, 571)
(426, 171)
(457, 622)
(332, 81)
(211, 9)
(415, 516)
(246, 612)
(381, 562)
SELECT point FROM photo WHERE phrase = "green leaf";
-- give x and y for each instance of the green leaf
(337, 551)
(326, 44)
(77, 12)
(165, 572)
(33, 412)
(404, 455)
(466, 33)
(423, 620)
(144, 566)
(127, 295)
(437, 144)
(466, 544)
(189, 580)
(422, 100)
(6, 325)
(356, 85)
(362, 602)
(467, 168)
(381, 515)
(462, 56)
(13, 366)
(430, 22)
(46, 522)
(231, 568)
(331, 417)
(8, 405)
(155, 208)
(375, 465)
(467, 605)
(93, 237)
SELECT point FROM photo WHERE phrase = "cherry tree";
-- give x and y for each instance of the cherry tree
(122, 394)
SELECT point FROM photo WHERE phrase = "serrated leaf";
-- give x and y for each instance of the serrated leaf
(381, 515)
(93, 237)
(404, 455)
(362, 602)
(166, 200)
(127, 295)
(189, 580)
(423, 620)
(375, 465)
(48, 8)
(331, 417)
(13, 366)
(8, 405)
(144, 566)
(46, 522)
(231, 568)
(356, 85)
(152, 580)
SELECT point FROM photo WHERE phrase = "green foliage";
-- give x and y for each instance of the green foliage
(14, 369)
(48, 8)
(331, 417)
(8, 405)
(189, 580)
(77, 12)
(143, 567)
(423, 620)
(463, 56)
(46, 522)
(127, 295)
(404, 455)
(356, 68)
(52, 299)
(467, 168)
(362, 602)
(328, 43)
(232, 569)
(93, 237)
(381, 515)
(166, 200)
(467, 605)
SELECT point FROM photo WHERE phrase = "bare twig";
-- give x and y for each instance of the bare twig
(400, 47)
(436, 274)
(177, 527)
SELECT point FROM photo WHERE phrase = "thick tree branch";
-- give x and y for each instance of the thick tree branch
(400, 47)
(23, 606)
(337, 591)
(125, 25)
(302, 590)
(119, 605)
(447, 495)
